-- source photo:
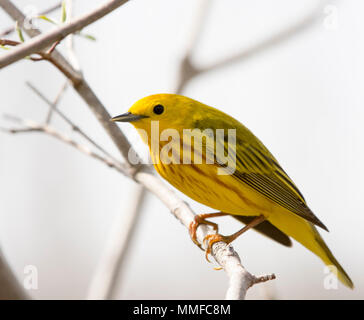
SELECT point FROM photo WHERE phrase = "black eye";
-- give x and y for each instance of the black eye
(158, 109)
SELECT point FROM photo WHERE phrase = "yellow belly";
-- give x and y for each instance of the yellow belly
(221, 192)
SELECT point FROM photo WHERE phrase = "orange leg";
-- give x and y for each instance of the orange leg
(201, 219)
(212, 238)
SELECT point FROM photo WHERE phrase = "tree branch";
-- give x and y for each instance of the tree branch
(189, 70)
(45, 40)
(27, 126)
(53, 107)
(6, 42)
(80, 84)
(240, 279)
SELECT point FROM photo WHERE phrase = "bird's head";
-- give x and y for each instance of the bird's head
(170, 110)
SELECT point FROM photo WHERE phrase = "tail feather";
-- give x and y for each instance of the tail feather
(267, 229)
(329, 259)
(306, 233)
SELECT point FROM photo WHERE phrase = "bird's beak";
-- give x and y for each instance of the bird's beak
(128, 117)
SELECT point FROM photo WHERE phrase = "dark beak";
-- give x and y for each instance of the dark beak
(128, 117)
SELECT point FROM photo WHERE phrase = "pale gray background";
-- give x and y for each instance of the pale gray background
(303, 99)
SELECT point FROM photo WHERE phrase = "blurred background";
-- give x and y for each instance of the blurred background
(301, 95)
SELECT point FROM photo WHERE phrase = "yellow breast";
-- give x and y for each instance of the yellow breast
(221, 192)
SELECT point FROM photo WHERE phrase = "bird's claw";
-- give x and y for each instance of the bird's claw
(210, 239)
(194, 225)
(192, 230)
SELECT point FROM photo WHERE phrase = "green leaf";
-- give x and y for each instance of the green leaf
(47, 19)
(64, 13)
(18, 30)
(87, 36)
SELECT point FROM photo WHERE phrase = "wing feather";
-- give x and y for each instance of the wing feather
(257, 167)
(266, 176)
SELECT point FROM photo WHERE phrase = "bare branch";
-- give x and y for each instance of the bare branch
(271, 41)
(197, 26)
(42, 55)
(45, 40)
(32, 126)
(53, 107)
(57, 99)
(240, 279)
(80, 84)
(6, 42)
(188, 70)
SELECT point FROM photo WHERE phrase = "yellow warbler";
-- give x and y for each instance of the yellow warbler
(217, 161)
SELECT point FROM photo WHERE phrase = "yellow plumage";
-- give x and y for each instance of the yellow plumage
(256, 186)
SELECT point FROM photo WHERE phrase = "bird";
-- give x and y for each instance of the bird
(243, 180)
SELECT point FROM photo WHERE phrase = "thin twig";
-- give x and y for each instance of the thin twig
(42, 55)
(53, 106)
(27, 126)
(56, 101)
(197, 26)
(53, 47)
(6, 42)
(187, 70)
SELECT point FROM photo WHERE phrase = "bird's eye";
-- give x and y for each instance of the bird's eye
(158, 109)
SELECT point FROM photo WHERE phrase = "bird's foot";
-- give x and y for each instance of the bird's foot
(200, 219)
(210, 239)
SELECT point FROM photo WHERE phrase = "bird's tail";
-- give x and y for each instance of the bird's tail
(306, 233)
